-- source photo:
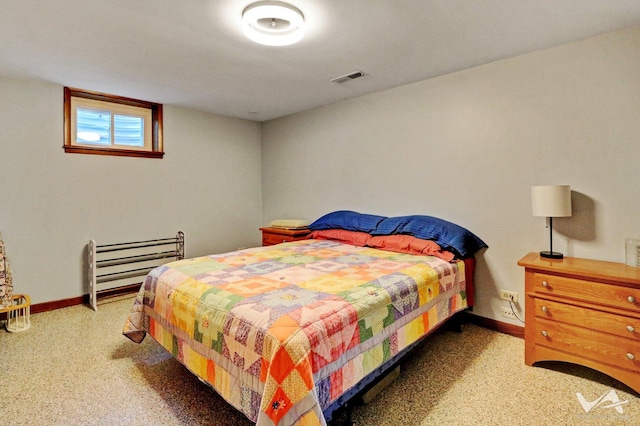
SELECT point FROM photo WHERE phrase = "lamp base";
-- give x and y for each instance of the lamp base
(551, 254)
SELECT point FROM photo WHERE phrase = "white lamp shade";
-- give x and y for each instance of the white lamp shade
(551, 200)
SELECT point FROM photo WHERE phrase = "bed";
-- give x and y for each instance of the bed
(287, 333)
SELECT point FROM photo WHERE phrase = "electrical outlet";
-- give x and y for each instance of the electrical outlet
(511, 296)
(506, 312)
(633, 251)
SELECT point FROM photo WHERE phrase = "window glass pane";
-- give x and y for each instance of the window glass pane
(93, 126)
(128, 130)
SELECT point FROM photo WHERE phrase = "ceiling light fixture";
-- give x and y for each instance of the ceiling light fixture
(273, 23)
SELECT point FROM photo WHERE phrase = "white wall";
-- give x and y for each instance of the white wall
(468, 146)
(52, 203)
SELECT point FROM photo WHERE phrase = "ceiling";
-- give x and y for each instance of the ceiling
(192, 53)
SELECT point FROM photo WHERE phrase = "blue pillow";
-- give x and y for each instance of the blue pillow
(449, 236)
(345, 219)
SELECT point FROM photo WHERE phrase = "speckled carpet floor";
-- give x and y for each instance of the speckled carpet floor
(74, 367)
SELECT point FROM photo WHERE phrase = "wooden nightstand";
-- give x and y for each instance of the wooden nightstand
(271, 236)
(583, 311)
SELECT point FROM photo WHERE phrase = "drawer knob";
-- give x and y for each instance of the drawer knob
(631, 356)
(631, 299)
(544, 309)
(544, 333)
(545, 284)
(630, 329)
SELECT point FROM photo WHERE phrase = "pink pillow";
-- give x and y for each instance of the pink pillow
(407, 244)
(354, 238)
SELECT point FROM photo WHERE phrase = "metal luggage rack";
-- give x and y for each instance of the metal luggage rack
(110, 265)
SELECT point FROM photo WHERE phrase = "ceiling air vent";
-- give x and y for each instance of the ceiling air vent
(347, 77)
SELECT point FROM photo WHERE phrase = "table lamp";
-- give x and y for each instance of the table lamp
(551, 201)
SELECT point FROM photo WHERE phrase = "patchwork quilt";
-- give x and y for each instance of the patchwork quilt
(282, 331)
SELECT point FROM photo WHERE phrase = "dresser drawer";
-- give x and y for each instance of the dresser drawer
(271, 239)
(619, 325)
(601, 347)
(588, 291)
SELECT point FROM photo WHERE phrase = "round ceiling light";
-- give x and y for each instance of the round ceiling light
(273, 23)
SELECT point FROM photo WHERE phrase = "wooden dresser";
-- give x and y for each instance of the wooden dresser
(271, 236)
(583, 311)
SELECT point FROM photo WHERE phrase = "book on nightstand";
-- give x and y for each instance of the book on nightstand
(290, 224)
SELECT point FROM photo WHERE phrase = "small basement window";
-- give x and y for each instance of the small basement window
(97, 123)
